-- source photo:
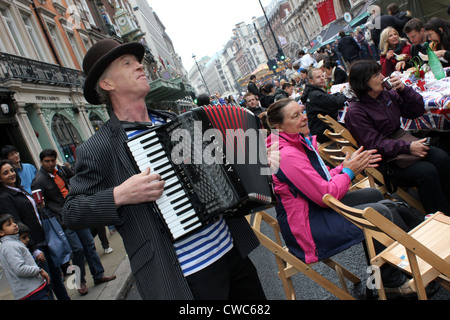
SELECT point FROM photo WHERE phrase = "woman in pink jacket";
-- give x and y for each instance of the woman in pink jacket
(312, 231)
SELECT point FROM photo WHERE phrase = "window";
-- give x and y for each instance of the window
(75, 48)
(58, 45)
(15, 36)
(34, 38)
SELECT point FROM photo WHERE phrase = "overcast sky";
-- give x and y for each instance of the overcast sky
(203, 27)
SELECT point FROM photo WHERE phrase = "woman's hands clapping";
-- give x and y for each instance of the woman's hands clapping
(361, 159)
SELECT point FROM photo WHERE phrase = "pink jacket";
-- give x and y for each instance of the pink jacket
(311, 230)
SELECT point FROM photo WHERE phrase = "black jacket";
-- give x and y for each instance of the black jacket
(18, 205)
(281, 94)
(317, 101)
(384, 21)
(54, 200)
(252, 87)
(266, 101)
(340, 76)
(348, 48)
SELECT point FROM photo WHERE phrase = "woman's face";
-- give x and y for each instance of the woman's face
(376, 84)
(8, 175)
(433, 36)
(392, 38)
(294, 119)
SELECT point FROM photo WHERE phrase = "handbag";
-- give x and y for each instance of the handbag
(59, 247)
(403, 160)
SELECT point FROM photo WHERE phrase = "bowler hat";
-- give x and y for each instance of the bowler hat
(99, 57)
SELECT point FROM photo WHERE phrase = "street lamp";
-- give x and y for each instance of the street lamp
(279, 50)
(201, 74)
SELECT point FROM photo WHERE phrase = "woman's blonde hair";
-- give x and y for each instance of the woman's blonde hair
(384, 45)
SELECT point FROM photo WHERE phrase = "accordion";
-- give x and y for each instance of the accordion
(213, 160)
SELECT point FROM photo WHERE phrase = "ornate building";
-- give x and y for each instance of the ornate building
(42, 45)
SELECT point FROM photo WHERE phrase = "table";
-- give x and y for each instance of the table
(437, 107)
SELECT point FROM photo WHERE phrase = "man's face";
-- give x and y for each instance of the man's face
(126, 76)
(14, 157)
(318, 79)
(417, 37)
(49, 163)
(251, 101)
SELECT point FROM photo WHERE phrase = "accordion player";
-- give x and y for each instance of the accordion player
(213, 160)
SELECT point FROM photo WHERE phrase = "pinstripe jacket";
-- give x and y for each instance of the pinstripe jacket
(102, 164)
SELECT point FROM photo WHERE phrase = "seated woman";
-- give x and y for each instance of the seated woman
(394, 51)
(374, 121)
(311, 230)
(438, 31)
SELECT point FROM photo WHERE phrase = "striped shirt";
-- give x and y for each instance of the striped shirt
(204, 247)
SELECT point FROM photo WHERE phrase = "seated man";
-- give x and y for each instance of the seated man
(252, 104)
(317, 101)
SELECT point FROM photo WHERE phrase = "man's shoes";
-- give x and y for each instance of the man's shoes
(406, 292)
(83, 289)
(403, 291)
(104, 279)
(109, 250)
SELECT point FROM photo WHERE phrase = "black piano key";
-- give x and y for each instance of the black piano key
(174, 191)
(182, 222)
(159, 158)
(181, 205)
(170, 176)
(184, 211)
(152, 144)
(165, 171)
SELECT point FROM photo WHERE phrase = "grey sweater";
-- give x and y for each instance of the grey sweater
(20, 267)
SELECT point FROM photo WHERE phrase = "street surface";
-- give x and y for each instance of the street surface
(306, 289)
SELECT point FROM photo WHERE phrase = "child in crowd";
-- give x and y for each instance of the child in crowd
(26, 279)
(24, 237)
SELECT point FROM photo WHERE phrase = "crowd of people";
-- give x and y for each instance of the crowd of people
(28, 263)
(105, 189)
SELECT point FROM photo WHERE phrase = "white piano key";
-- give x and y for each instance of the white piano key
(171, 218)
(181, 233)
(175, 227)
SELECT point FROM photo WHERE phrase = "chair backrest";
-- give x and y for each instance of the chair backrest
(356, 217)
(376, 226)
(339, 130)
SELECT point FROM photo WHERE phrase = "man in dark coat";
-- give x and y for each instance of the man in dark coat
(348, 47)
(317, 101)
(252, 87)
(379, 22)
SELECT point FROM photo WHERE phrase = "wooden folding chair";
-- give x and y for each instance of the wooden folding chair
(345, 142)
(423, 253)
(338, 132)
(376, 180)
(289, 265)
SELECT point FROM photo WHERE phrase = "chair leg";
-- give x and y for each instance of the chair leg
(288, 286)
(340, 274)
(347, 274)
(418, 282)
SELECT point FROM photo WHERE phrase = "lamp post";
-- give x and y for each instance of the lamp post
(201, 74)
(270, 27)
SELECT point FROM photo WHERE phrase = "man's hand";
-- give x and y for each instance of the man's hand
(142, 187)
